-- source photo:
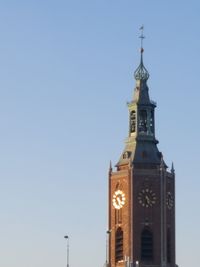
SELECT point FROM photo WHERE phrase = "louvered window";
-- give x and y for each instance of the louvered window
(146, 245)
(119, 245)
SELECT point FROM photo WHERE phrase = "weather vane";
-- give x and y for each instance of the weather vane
(142, 37)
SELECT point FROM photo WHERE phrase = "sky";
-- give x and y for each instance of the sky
(66, 74)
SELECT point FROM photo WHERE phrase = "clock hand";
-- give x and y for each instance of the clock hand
(147, 199)
(118, 200)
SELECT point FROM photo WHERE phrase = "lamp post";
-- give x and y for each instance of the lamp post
(137, 264)
(108, 232)
(67, 238)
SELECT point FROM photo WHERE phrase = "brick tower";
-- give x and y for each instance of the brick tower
(141, 229)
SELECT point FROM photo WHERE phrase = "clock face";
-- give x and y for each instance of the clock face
(147, 198)
(118, 199)
(169, 200)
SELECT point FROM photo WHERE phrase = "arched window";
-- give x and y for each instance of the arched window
(118, 186)
(146, 245)
(152, 122)
(143, 121)
(119, 245)
(126, 155)
(132, 121)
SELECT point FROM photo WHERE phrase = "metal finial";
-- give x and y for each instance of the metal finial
(141, 72)
(142, 37)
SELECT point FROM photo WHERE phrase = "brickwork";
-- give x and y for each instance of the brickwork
(120, 179)
(135, 217)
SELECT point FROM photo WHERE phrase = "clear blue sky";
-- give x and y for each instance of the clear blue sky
(66, 73)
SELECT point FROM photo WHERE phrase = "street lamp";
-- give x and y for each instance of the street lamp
(108, 232)
(67, 238)
(137, 264)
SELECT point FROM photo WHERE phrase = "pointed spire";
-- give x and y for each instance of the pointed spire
(110, 167)
(172, 168)
(141, 72)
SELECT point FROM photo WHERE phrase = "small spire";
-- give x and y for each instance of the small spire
(172, 168)
(141, 72)
(110, 167)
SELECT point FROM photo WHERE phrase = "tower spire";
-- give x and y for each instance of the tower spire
(141, 190)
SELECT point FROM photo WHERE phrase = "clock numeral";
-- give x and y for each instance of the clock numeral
(147, 198)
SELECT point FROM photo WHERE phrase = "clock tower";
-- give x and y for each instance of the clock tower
(141, 230)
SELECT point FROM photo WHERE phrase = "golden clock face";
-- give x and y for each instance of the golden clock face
(118, 199)
(147, 198)
(169, 200)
